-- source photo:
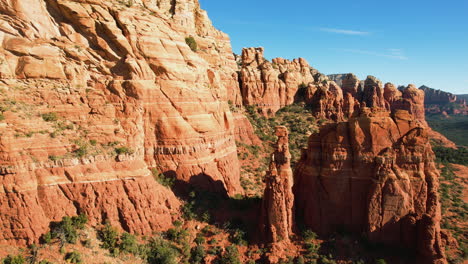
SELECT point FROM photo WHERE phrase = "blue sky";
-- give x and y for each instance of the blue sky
(412, 41)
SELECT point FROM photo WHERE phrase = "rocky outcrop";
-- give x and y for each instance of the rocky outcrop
(375, 174)
(271, 85)
(276, 216)
(410, 99)
(373, 93)
(350, 83)
(434, 96)
(440, 102)
(127, 94)
(327, 101)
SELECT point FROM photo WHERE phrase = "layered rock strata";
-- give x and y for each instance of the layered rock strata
(375, 174)
(277, 215)
(97, 92)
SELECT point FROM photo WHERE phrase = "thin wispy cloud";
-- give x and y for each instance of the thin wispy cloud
(391, 53)
(345, 31)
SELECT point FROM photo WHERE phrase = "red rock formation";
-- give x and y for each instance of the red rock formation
(327, 101)
(438, 102)
(244, 131)
(351, 84)
(373, 93)
(410, 99)
(120, 76)
(391, 94)
(276, 217)
(271, 85)
(374, 174)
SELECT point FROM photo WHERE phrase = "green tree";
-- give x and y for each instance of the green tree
(10, 259)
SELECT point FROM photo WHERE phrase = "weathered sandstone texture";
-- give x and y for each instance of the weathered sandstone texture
(244, 131)
(373, 174)
(271, 85)
(128, 94)
(276, 216)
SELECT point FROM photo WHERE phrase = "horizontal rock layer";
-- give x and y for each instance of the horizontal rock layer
(128, 94)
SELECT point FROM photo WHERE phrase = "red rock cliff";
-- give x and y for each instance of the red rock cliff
(271, 85)
(127, 93)
(375, 174)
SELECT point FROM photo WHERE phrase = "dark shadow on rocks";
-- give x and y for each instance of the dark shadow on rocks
(207, 200)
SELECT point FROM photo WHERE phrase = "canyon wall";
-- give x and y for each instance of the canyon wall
(440, 102)
(374, 173)
(94, 94)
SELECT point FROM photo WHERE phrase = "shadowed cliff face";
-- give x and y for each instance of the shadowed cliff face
(440, 102)
(374, 173)
(127, 94)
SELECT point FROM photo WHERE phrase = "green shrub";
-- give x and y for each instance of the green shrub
(109, 237)
(300, 260)
(161, 252)
(67, 229)
(237, 237)
(123, 150)
(128, 243)
(230, 256)
(44, 261)
(93, 142)
(197, 255)
(177, 235)
(50, 117)
(162, 179)
(79, 221)
(10, 259)
(54, 158)
(81, 152)
(380, 261)
(191, 43)
(327, 260)
(46, 238)
(308, 235)
(215, 251)
(87, 243)
(2, 117)
(200, 239)
(73, 257)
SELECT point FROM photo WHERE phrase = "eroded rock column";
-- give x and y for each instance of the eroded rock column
(276, 218)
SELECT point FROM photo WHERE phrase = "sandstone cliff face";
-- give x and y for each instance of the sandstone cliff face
(271, 85)
(375, 174)
(410, 99)
(326, 100)
(128, 94)
(440, 102)
(276, 216)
